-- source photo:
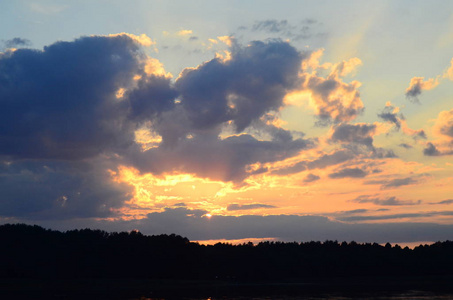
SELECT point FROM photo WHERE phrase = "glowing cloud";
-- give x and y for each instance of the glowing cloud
(417, 85)
(443, 130)
(184, 32)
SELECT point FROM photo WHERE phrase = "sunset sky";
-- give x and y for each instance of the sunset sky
(229, 120)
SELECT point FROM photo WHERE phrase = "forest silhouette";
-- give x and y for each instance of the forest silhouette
(34, 252)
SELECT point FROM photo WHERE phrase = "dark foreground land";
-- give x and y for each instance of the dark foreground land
(92, 264)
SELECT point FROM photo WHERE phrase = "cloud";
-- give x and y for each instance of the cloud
(399, 182)
(444, 124)
(220, 159)
(394, 183)
(385, 201)
(448, 201)
(359, 139)
(357, 133)
(17, 43)
(390, 114)
(406, 146)
(184, 32)
(381, 217)
(61, 102)
(242, 89)
(355, 211)
(432, 150)
(308, 28)
(397, 216)
(443, 129)
(348, 173)
(324, 161)
(449, 73)
(311, 177)
(89, 97)
(237, 93)
(36, 190)
(334, 100)
(193, 224)
(142, 39)
(235, 206)
(271, 26)
(417, 85)
(68, 113)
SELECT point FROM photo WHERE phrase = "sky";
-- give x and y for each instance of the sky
(229, 120)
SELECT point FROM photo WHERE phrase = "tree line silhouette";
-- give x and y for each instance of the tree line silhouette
(34, 252)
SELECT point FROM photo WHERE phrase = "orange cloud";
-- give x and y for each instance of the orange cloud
(449, 73)
(332, 99)
(184, 32)
(142, 39)
(443, 130)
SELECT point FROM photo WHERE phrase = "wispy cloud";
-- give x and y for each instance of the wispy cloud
(385, 201)
(235, 206)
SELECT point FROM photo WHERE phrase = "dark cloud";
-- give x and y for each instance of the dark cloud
(357, 133)
(413, 92)
(327, 160)
(420, 134)
(447, 128)
(388, 114)
(308, 28)
(396, 216)
(385, 201)
(17, 42)
(63, 125)
(394, 183)
(234, 206)
(448, 201)
(225, 159)
(399, 182)
(356, 211)
(35, 190)
(242, 89)
(311, 177)
(309, 21)
(272, 26)
(349, 173)
(61, 102)
(406, 146)
(431, 150)
(193, 38)
(381, 217)
(339, 215)
(417, 85)
(192, 224)
(296, 168)
(322, 162)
